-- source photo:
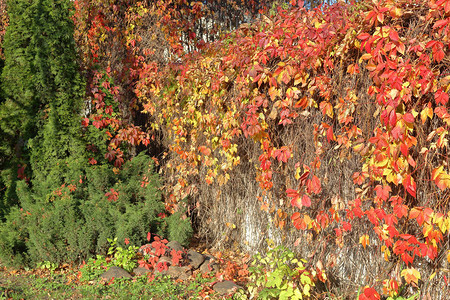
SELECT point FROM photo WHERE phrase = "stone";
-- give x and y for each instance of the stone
(195, 259)
(165, 259)
(175, 245)
(182, 273)
(226, 287)
(175, 272)
(209, 265)
(115, 272)
(141, 271)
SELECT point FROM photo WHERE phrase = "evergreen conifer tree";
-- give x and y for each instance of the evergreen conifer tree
(43, 93)
(66, 208)
(40, 115)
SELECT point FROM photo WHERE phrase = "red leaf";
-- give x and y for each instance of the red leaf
(148, 236)
(438, 55)
(330, 135)
(400, 210)
(296, 202)
(282, 154)
(430, 44)
(369, 294)
(306, 201)
(315, 185)
(383, 191)
(359, 178)
(441, 97)
(292, 193)
(394, 35)
(410, 185)
(392, 118)
(85, 122)
(408, 117)
(404, 149)
(441, 23)
(299, 221)
(363, 36)
(347, 226)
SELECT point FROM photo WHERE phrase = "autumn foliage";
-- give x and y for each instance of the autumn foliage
(333, 122)
(371, 79)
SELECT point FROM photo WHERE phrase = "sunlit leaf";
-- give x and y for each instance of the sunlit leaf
(411, 275)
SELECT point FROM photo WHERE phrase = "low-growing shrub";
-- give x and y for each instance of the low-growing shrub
(93, 268)
(280, 275)
(179, 229)
(73, 222)
(123, 257)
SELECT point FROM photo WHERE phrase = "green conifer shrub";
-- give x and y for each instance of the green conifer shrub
(178, 228)
(76, 220)
(67, 208)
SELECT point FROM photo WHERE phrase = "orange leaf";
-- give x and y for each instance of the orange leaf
(296, 202)
(204, 150)
(369, 294)
(265, 206)
(298, 221)
(364, 240)
(411, 275)
(417, 213)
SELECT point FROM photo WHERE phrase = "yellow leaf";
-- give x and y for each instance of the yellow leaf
(230, 225)
(432, 276)
(448, 256)
(436, 172)
(386, 252)
(307, 221)
(427, 228)
(364, 240)
(411, 275)
(426, 112)
(358, 148)
(297, 173)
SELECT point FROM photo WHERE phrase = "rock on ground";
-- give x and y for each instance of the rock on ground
(226, 287)
(115, 272)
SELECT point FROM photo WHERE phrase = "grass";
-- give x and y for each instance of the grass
(58, 285)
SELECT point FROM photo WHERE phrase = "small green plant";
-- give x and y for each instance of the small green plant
(413, 297)
(394, 292)
(124, 258)
(94, 268)
(47, 265)
(398, 297)
(279, 275)
(179, 228)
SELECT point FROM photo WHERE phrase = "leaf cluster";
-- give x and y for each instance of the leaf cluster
(280, 275)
